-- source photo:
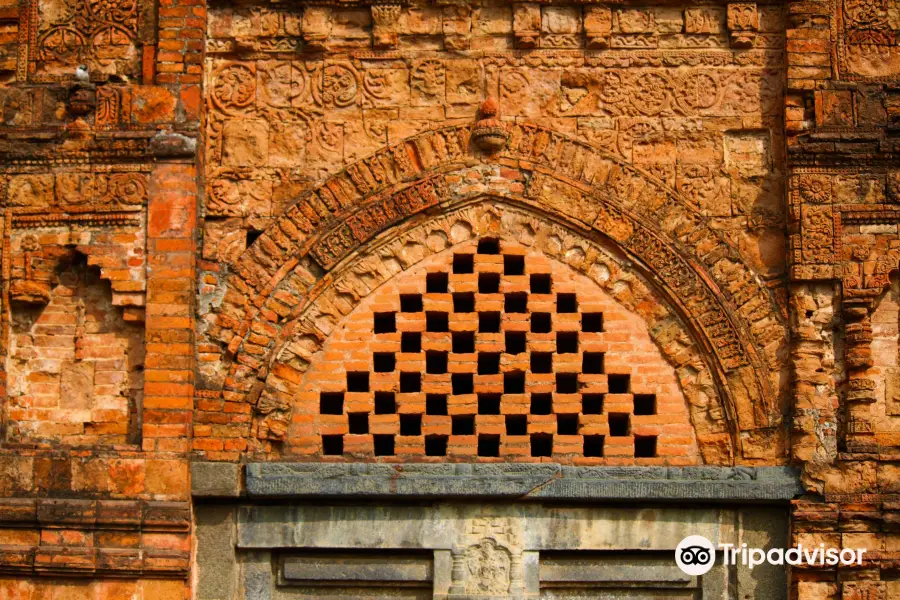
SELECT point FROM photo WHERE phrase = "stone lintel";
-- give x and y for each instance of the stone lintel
(524, 482)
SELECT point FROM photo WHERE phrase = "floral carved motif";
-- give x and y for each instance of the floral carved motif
(868, 39)
(234, 87)
(98, 33)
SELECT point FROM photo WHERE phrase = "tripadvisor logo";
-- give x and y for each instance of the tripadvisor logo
(695, 555)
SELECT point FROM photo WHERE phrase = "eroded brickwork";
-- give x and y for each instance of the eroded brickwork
(75, 371)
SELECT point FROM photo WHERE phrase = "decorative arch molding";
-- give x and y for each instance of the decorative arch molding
(734, 319)
(407, 246)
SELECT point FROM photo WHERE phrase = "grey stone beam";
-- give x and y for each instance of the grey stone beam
(522, 481)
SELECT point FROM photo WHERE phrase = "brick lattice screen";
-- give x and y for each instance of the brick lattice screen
(488, 352)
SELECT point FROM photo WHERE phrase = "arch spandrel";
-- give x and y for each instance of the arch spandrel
(735, 320)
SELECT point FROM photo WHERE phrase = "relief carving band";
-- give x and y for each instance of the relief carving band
(101, 34)
(868, 43)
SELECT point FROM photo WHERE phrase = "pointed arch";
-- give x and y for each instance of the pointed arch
(734, 319)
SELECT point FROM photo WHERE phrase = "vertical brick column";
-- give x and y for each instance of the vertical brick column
(808, 44)
(169, 375)
(179, 57)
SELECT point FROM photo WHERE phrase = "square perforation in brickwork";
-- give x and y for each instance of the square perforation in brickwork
(492, 358)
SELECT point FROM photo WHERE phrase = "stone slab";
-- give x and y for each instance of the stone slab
(374, 568)
(524, 482)
(213, 479)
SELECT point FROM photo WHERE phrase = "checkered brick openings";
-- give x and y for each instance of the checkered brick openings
(490, 352)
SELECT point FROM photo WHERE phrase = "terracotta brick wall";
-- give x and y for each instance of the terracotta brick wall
(491, 352)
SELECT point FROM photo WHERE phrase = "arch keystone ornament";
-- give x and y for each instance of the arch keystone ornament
(383, 214)
(489, 134)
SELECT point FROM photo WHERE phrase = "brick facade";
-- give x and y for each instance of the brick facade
(612, 234)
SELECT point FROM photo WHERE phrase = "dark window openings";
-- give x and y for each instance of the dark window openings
(566, 303)
(463, 263)
(593, 445)
(384, 362)
(435, 445)
(516, 424)
(438, 322)
(567, 342)
(464, 302)
(541, 404)
(331, 403)
(644, 446)
(488, 283)
(513, 264)
(489, 322)
(463, 342)
(359, 423)
(541, 283)
(358, 382)
(489, 404)
(515, 302)
(592, 362)
(514, 382)
(437, 283)
(645, 404)
(411, 303)
(436, 404)
(619, 384)
(488, 246)
(592, 404)
(541, 445)
(385, 403)
(410, 424)
(515, 342)
(410, 383)
(489, 445)
(619, 424)
(435, 362)
(488, 363)
(487, 302)
(567, 424)
(384, 445)
(592, 322)
(411, 342)
(385, 322)
(463, 425)
(332, 445)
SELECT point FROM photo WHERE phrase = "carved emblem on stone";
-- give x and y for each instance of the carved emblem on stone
(384, 20)
(317, 21)
(527, 24)
(893, 186)
(597, 26)
(123, 188)
(100, 33)
(487, 568)
(428, 79)
(743, 23)
(340, 88)
(815, 189)
(234, 87)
